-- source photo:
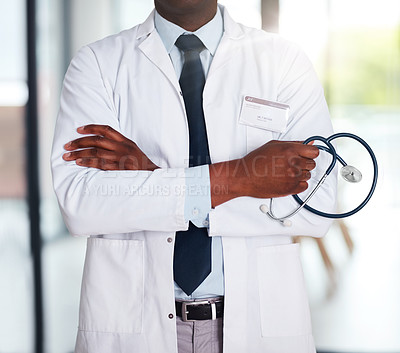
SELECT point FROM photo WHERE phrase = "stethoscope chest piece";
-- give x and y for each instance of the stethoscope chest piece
(351, 174)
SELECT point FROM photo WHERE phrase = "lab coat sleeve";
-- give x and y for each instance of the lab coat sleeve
(298, 87)
(96, 202)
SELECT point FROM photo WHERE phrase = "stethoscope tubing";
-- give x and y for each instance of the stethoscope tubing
(336, 157)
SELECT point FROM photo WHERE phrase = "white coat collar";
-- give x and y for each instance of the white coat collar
(153, 47)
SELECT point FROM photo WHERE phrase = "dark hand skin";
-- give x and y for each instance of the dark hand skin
(106, 149)
(276, 169)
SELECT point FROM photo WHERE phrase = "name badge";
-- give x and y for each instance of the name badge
(264, 114)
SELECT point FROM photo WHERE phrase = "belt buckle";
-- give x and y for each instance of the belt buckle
(186, 304)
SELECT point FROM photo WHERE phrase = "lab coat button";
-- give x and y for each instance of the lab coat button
(169, 240)
(171, 316)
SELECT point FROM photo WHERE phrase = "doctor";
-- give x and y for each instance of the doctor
(154, 160)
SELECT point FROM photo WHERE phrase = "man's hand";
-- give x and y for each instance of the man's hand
(106, 149)
(276, 169)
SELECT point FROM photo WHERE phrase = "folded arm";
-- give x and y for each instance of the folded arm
(94, 200)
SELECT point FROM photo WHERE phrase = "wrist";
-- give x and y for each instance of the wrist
(225, 181)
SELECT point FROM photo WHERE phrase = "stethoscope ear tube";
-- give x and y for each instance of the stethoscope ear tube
(335, 157)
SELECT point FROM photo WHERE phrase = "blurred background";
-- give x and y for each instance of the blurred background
(353, 274)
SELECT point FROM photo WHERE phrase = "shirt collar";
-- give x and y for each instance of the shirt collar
(210, 34)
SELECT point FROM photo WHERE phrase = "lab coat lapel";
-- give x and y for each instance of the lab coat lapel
(154, 49)
(222, 100)
(229, 45)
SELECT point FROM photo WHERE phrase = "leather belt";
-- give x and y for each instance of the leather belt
(200, 310)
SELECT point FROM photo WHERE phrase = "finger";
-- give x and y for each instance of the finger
(90, 153)
(303, 163)
(301, 187)
(308, 151)
(97, 163)
(299, 174)
(294, 172)
(302, 142)
(102, 130)
(310, 164)
(305, 175)
(91, 142)
(297, 188)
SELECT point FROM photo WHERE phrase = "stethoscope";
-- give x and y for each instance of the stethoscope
(348, 173)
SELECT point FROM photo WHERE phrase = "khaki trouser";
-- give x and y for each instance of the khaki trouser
(203, 336)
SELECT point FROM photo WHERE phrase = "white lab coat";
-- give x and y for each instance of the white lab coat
(127, 81)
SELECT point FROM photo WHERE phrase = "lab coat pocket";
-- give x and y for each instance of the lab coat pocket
(284, 306)
(112, 286)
